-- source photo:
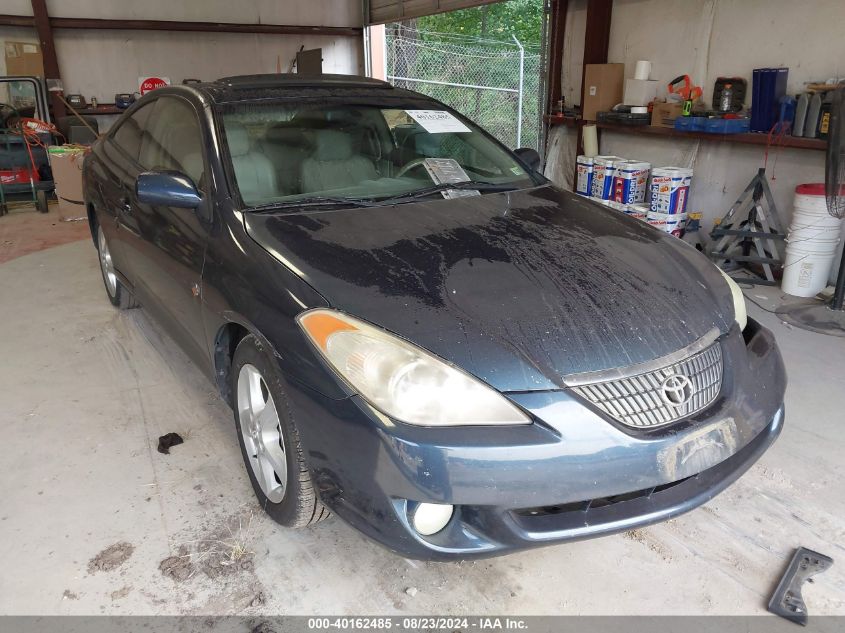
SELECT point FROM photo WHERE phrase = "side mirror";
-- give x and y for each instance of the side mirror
(167, 189)
(529, 156)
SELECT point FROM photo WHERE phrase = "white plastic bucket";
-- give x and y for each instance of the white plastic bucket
(584, 178)
(669, 188)
(811, 243)
(667, 222)
(630, 182)
(805, 272)
(604, 169)
(837, 257)
(810, 208)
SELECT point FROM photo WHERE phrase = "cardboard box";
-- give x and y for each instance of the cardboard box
(24, 59)
(664, 114)
(67, 176)
(602, 88)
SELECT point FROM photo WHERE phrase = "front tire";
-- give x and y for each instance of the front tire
(117, 293)
(269, 439)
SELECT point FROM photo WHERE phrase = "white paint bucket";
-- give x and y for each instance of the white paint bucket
(805, 272)
(630, 182)
(584, 175)
(673, 223)
(670, 189)
(638, 211)
(811, 243)
(837, 257)
(604, 169)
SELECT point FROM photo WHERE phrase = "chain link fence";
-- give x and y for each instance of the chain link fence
(494, 83)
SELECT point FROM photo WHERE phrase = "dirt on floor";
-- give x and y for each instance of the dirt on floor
(111, 558)
(24, 230)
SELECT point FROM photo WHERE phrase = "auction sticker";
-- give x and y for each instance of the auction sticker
(437, 121)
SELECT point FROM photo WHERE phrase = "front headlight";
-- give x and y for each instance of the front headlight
(402, 380)
(740, 313)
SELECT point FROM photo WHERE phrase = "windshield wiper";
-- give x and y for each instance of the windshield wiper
(480, 185)
(314, 201)
(322, 201)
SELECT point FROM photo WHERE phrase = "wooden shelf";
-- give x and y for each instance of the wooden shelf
(103, 108)
(568, 121)
(748, 138)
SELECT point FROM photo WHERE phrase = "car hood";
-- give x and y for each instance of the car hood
(519, 288)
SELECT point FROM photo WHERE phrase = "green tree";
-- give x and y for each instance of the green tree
(522, 18)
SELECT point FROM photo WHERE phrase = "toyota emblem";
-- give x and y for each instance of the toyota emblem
(676, 390)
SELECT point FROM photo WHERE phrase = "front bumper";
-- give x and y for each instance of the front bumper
(574, 474)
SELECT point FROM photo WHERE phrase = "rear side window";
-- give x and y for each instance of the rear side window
(129, 133)
(172, 140)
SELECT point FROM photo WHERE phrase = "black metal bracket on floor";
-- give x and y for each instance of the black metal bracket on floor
(787, 601)
(751, 232)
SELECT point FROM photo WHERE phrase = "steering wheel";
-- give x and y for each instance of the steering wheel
(7, 114)
(411, 164)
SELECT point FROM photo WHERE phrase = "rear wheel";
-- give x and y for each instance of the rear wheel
(115, 291)
(269, 439)
(41, 201)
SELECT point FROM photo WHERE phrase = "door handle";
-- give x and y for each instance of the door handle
(125, 206)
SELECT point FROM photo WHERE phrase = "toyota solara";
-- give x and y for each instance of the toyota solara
(416, 330)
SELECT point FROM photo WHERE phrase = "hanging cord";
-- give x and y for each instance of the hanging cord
(776, 136)
(30, 130)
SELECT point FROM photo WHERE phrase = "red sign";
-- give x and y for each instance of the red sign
(151, 83)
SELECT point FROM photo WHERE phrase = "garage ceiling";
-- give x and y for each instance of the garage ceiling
(381, 11)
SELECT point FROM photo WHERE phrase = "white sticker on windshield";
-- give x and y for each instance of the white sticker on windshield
(437, 121)
(448, 170)
(445, 170)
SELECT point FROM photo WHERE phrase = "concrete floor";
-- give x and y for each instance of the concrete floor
(25, 231)
(86, 391)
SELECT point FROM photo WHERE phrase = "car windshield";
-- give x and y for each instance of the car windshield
(289, 153)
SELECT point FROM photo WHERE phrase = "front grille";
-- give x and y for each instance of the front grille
(654, 398)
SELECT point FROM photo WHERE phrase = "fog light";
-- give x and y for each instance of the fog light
(430, 518)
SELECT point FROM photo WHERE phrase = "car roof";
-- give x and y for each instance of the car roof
(270, 86)
(279, 80)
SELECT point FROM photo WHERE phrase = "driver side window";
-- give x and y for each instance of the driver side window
(129, 134)
(172, 140)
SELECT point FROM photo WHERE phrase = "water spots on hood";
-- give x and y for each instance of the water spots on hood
(560, 283)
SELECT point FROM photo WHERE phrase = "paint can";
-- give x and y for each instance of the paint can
(672, 223)
(630, 182)
(638, 211)
(584, 175)
(610, 204)
(670, 189)
(604, 169)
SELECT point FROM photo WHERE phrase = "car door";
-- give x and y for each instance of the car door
(167, 248)
(118, 170)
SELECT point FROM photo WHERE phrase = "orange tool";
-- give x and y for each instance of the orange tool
(682, 86)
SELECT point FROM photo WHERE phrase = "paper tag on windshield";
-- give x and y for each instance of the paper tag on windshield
(460, 193)
(437, 121)
(446, 170)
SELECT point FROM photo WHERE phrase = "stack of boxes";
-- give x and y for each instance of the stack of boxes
(623, 184)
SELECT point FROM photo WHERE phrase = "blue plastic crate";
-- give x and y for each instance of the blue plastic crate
(690, 123)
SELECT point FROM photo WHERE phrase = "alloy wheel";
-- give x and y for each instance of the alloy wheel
(106, 264)
(262, 433)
